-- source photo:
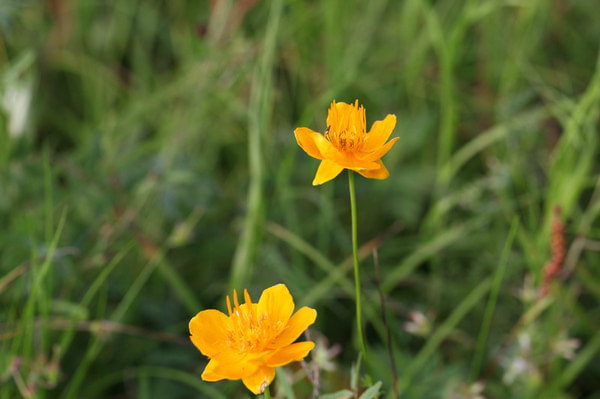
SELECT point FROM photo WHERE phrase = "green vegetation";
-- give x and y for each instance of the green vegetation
(148, 166)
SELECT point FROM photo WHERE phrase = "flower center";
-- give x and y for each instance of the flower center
(345, 140)
(250, 331)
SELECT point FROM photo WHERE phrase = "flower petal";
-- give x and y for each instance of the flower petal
(317, 146)
(277, 304)
(351, 161)
(209, 373)
(342, 116)
(260, 380)
(290, 353)
(299, 322)
(308, 139)
(380, 173)
(379, 133)
(242, 367)
(328, 150)
(333, 113)
(379, 152)
(208, 330)
(327, 171)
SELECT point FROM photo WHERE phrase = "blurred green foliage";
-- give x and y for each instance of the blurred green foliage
(148, 166)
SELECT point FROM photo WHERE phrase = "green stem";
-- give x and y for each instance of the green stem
(359, 323)
(267, 393)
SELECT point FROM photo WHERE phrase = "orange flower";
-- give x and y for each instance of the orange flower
(254, 339)
(346, 143)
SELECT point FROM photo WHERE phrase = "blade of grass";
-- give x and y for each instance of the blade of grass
(260, 109)
(336, 274)
(11, 276)
(575, 367)
(38, 276)
(24, 343)
(314, 255)
(182, 377)
(96, 344)
(532, 313)
(487, 138)
(91, 293)
(491, 305)
(389, 343)
(178, 285)
(442, 332)
(574, 156)
(46, 295)
(424, 252)
(448, 47)
(283, 384)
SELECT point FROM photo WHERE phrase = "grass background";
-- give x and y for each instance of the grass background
(148, 166)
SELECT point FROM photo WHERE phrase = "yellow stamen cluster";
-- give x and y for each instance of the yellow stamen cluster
(347, 131)
(251, 332)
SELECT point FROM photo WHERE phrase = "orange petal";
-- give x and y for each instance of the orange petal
(299, 322)
(380, 173)
(380, 152)
(248, 311)
(228, 356)
(332, 115)
(352, 161)
(290, 353)
(208, 330)
(260, 380)
(277, 304)
(327, 171)
(317, 146)
(328, 150)
(344, 159)
(335, 113)
(308, 139)
(241, 367)
(379, 133)
(342, 116)
(209, 373)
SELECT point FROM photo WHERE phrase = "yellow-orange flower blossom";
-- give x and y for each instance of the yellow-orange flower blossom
(254, 339)
(346, 143)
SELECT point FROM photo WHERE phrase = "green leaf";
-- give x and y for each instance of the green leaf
(343, 394)
(372, 391)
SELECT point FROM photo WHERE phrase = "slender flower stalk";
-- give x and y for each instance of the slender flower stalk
(267, 393)
(359, 325)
